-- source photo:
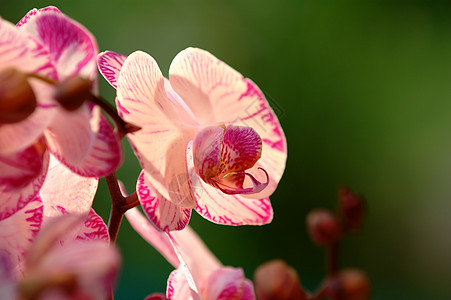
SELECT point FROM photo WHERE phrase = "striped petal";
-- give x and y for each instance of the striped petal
(165, 215)
(19, 230)
(72, 47)
(216, 93)
(162, 140)
(225, 209)
(21, 177)
(224, 283)
(110, 64)
(178, 287)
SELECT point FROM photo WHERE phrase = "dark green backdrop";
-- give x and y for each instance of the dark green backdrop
(362, 89)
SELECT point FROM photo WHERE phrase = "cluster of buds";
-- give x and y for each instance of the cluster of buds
(275, 280)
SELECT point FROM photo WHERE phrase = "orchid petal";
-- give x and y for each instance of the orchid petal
(18, 50)
(19, 230)
(22, 176)
(248, 291)
(94, 228)
(69, 136)
(165, 215)
(66, 192)
(105, 155)
(110, 64)
(217, 93)
(224, 283)
(178, 287)
(34, 12)
(72, 47)
(142, 100)
(152, 235)
(156, 296)
(225, 209)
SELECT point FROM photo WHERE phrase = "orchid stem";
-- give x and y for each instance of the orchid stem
(122, 127)
(119, 207)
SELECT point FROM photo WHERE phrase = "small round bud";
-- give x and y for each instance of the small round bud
(17, 99)
(350, 284)
(351, 208)
(323, 227)
(275, 280)
(73, 92)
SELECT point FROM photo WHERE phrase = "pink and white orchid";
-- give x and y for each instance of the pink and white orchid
(49, 44)
(209, 139)
(198, 273)
(57, 245)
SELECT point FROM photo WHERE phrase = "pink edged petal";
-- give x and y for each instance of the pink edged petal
(162, 140)
(72, 47)
(178, 287)
(110, 64)
(34, 12)
(66, 192)
(94, 228)
(225, 209)
(217, 93)
(152, 235)
(22, 176)
(224, 283)
(19, 230)
(248, 291)
(105, 156)
(69, 136)
(165, 215)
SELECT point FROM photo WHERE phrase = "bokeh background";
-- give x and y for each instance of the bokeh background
(362, 89)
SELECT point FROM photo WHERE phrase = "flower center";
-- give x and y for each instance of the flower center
(223, 154)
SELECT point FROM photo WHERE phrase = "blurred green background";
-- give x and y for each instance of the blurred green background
(362, 90)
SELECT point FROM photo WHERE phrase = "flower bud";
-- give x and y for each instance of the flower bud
(349, 284)
(17, 99)
(275, 280)
(323, 227)
(352, 209)
(73, 92)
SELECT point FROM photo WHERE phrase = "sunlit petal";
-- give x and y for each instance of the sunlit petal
(110, 64)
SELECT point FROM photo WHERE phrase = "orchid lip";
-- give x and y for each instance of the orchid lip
(256, 188)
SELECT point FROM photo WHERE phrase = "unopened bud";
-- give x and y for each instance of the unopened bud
(351, 208)
(17, 99)
(350, 284)
(73, 92)
(323, 227)
(275, 280)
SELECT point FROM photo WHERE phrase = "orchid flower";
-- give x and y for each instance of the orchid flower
(57, 243)
(198, 273)
(47, 44)
(209, 139)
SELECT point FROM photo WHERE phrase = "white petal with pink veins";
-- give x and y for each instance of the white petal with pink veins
(110, 64)
(225, 209)
(142, 100)
(165, 215)
(224, 283)
(72, 47)
(19, 230)
(21, 177)
(66, 190)
(178, 287)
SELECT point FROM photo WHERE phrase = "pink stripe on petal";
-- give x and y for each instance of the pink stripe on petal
(110, 64)
(72, 47)
(94, 228)
(248, 291)
(178, 287)
(30, 166)
(164, 215)
(19, 230)
(105, 156)
(224, 283)
(66, 191)
(34, 12)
